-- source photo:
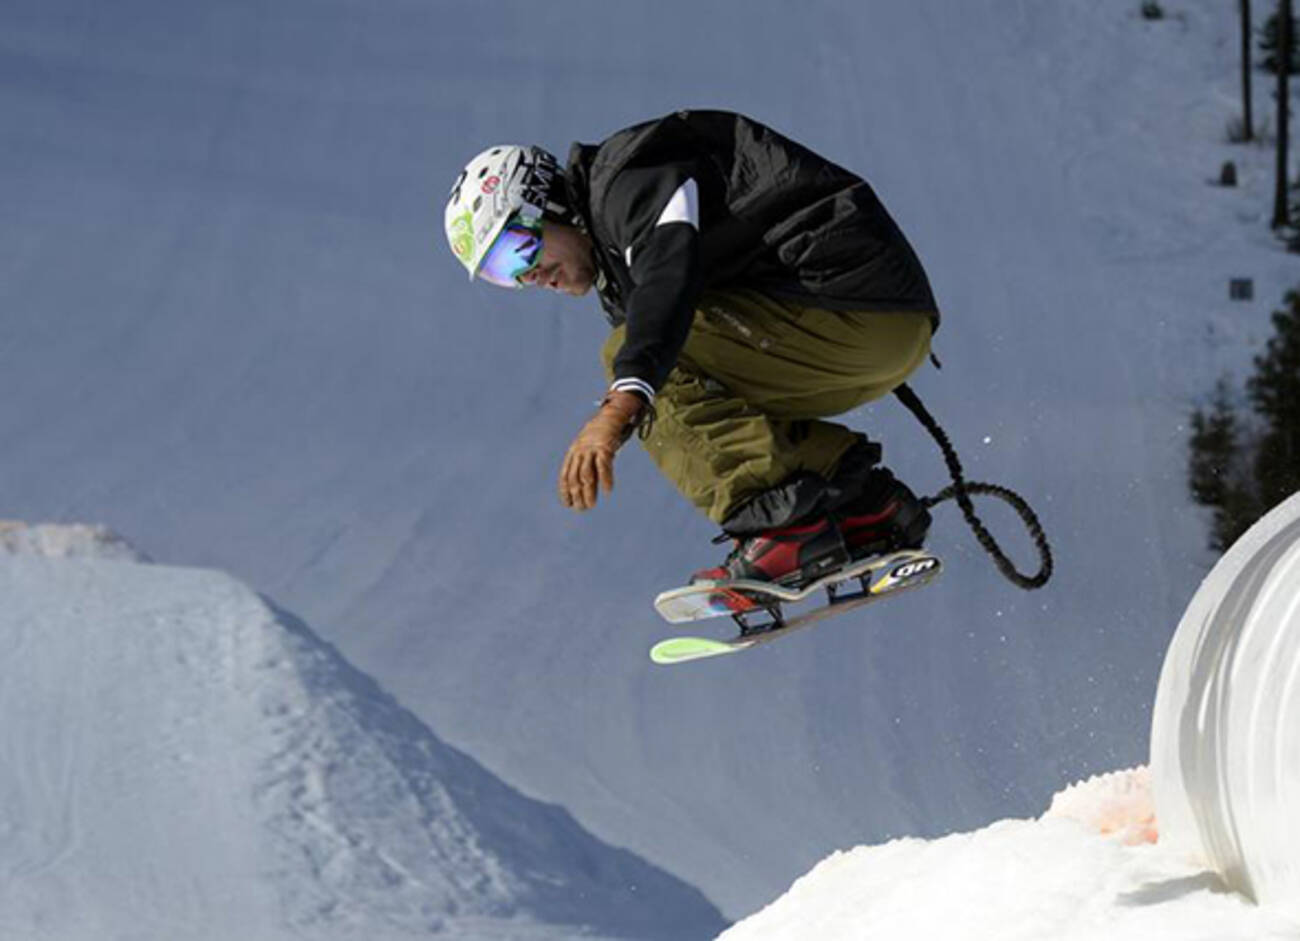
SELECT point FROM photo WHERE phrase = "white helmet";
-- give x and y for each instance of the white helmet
(495, 186)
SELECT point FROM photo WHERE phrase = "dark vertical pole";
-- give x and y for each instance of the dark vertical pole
(1281, 212)
(1248, 125)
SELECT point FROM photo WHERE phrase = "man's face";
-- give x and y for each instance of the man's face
(566, 263)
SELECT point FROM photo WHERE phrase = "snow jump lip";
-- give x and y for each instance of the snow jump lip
(1225, 739)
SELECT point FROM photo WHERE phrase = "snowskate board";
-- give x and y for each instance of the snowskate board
(748, 602)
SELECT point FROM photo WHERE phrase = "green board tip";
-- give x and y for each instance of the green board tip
(677, 649)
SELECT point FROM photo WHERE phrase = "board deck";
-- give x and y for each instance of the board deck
(712, 599)
(901, 572)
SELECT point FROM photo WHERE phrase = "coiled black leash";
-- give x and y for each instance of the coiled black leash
(961, 491)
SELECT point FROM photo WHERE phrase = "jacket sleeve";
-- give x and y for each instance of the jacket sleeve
(654, 213)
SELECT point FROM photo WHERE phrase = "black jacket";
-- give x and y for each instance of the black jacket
(702, 199)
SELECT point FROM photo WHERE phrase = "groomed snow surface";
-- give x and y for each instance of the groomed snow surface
(180, 761)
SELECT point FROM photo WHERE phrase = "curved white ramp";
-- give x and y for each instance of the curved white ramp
(1225, 743)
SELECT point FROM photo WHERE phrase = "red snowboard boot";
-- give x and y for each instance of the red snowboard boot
(885, 517)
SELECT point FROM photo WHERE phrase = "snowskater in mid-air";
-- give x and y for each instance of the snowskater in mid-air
(755, 289)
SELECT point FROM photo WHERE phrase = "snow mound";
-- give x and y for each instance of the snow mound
(179, 759)
(64, 541)
(1022, 880)
(1225, 742)
(1116, 804)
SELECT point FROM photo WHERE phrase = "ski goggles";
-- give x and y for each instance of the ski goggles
(514, 253)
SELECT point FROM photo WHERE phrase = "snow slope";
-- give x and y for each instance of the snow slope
(229, 328)
(181, 760)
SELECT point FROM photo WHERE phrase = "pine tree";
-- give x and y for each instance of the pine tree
(1217, 474)
(1268, 45)
(1274, 393)
(1214, 446)
(1242, 469)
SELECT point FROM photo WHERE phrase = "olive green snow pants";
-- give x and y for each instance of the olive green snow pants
(741, 411)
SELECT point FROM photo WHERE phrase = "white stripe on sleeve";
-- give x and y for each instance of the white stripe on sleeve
(683, 206)
(632, 384)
